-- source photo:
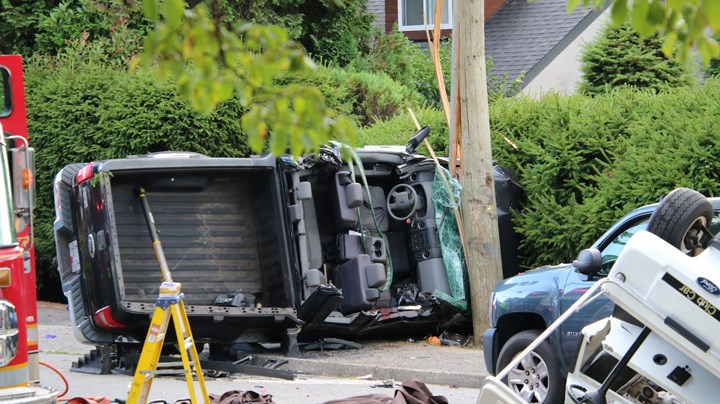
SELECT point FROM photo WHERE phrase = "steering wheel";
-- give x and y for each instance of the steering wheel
(576, 393)
(402, 199)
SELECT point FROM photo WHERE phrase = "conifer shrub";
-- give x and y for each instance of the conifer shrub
(620, 57)
(406, 62)
(713, 69)
(584, 162)
(399, 129)
(365, 96)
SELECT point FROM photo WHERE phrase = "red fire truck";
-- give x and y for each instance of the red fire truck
(18, 297)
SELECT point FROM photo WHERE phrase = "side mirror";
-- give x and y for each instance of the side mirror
(589, 261)
(23, 184)
(417, 139)
(23, 177)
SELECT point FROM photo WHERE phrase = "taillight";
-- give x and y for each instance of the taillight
(86, 173)
(103, 318)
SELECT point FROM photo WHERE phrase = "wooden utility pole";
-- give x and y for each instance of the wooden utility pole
(478, 199)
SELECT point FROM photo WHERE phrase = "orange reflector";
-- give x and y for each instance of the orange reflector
(4, 277)
(28, 179)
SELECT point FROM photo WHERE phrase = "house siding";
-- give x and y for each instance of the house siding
(391, 14)
(377, 8)
(391, 17)
(563, 74)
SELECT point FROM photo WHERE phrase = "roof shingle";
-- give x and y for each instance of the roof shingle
(522, 34)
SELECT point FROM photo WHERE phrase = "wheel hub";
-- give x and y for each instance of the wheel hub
(530, 379)
(692, 243)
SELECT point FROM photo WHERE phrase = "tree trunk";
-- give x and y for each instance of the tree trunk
(478, 198)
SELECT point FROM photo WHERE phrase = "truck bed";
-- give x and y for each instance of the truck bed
(223, 228)
(212, 232)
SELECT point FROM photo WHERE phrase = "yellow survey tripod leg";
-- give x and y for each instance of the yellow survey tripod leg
(169, 304)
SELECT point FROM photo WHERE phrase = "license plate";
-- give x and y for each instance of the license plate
(74, 256)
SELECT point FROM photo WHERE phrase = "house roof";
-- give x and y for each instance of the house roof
(526, 36)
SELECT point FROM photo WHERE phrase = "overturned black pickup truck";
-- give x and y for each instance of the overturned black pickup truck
(266, 248)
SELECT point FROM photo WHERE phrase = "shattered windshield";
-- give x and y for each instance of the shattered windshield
(7, 228)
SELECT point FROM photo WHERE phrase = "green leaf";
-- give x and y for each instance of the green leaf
(296, 143)
(668, 46)
(173, 11)
(638, 17)
(572, 4)
(150, 9)
(708, 49)
(255, 129)
(676, 5)
(223, 90)
(278, 142)
(712, 13)
(656, 14)
(300, 105)
(619, 11)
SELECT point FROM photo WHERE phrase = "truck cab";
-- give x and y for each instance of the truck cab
(19, 363)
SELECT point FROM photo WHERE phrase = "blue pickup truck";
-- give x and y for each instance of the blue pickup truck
(524, 305)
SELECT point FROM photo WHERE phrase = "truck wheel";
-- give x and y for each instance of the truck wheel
(537, 377)
(682, 219)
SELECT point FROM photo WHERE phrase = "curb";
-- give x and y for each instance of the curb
(399, 374)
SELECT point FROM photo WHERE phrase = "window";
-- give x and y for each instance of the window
(5, 93)
(7, 222)
(413, 13)
(611, 253)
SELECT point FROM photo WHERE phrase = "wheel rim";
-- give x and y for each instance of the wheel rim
(693, 241)
(530, 379)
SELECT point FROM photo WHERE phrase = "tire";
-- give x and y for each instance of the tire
(536, 379)
(682, 219)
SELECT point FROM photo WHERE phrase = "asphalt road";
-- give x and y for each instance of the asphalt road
(59, 348)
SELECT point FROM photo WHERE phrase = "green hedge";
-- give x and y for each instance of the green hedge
(586, 161)
(399, 129)
(365, 96)
(408, 63)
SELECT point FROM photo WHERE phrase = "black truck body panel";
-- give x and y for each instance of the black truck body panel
(261, 245)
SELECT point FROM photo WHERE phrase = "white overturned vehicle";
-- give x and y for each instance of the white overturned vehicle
(661, 344)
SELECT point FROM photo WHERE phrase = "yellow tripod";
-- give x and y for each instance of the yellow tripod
(169, 304)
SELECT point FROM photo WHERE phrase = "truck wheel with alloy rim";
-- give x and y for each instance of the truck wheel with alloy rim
(536, 378)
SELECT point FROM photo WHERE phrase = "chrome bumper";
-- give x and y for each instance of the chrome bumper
(8, 332)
